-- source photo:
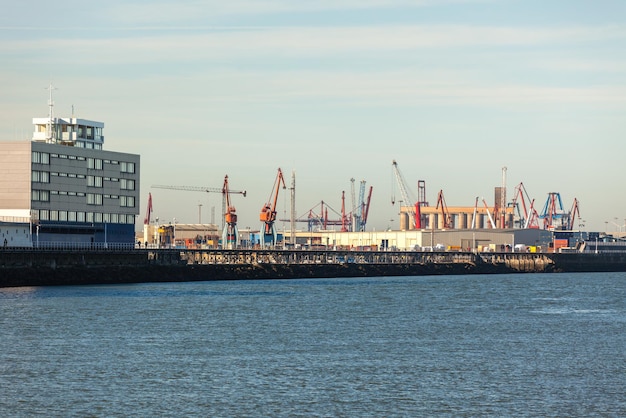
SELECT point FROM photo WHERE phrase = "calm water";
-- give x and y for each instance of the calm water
(498, 345)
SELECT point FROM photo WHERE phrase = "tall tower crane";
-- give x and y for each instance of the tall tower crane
(268, 212)
(413, 206)
(206, 190)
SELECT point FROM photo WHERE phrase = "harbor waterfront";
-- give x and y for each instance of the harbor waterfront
(42, 267)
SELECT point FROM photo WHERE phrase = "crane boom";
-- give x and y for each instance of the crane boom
(146, 220)
(493, 224)
(404, 191)
(198, 189)
(445, 214)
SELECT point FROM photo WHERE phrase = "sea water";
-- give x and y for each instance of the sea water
(475, 345)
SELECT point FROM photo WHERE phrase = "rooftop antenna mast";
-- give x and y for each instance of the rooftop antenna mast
(503, 200)
(50, 125)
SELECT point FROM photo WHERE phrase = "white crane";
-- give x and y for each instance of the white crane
(408, 200)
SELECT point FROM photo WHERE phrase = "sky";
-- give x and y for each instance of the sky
(453, 90)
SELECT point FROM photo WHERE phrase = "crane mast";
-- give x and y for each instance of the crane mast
(268, 212)
(292, 217)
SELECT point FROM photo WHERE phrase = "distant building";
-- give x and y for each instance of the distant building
(68, 189)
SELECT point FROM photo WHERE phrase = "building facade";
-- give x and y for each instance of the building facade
(69, 189)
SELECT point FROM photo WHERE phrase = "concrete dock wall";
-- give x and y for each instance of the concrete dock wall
(42, 268)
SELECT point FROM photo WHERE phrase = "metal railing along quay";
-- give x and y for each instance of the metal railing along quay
(267, 256)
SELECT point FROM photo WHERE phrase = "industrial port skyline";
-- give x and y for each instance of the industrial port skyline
(452, 90)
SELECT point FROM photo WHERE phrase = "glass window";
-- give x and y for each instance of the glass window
(40, 157)
(40, 177)
(94, 199)
(127, 184)
(126, 167)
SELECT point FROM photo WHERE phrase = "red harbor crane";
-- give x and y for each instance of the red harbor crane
(445, 214)
(528, 214)
(146, 220)
(230, 234)
(574, 213)
(268, 212)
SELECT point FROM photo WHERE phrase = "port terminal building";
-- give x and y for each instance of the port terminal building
(62, 188)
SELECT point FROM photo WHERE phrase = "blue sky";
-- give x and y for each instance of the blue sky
(453, 90)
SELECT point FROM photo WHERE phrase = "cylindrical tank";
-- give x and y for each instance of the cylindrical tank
(509, 220)
(404, 221)
(462, 220)
(480, 218)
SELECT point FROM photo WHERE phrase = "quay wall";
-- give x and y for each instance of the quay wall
(45, 268)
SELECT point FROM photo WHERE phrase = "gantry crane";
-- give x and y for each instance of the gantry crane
(224, 191)
(321, 220)
(553, 211)
(268, 212)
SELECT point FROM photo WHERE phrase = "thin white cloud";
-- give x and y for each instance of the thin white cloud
(311, 41)
(167, 12)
